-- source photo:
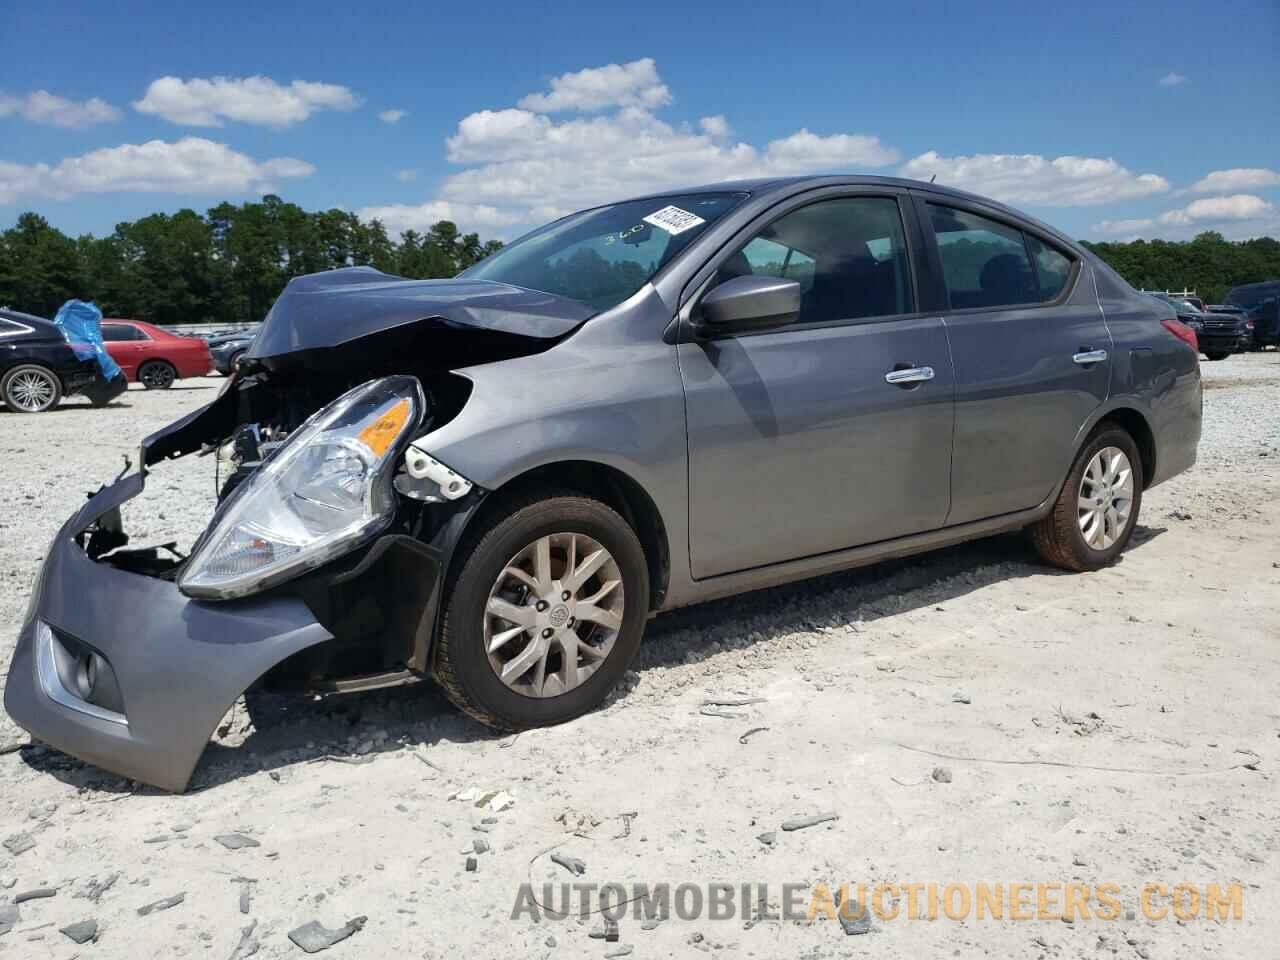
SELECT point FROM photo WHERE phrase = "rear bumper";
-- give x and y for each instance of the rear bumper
(1229, 343)
(179, 663)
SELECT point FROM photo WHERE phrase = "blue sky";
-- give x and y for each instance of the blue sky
(1108, 120)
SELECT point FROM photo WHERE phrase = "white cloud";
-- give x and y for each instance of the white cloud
(1033, 179)
(258, 100)
(41, 106)
(407, 175)
(634, 84)
(1238, 178)
(192, 165)
(1172, 79)
(1237, 217)
(716, 126)
(524, 167)
(398, 217)
(1241, 206)
(392, 116)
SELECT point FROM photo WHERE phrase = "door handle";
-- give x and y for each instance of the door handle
(909, 375)
(1086, 357)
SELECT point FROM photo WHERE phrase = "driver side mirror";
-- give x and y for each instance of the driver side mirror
(747, 303)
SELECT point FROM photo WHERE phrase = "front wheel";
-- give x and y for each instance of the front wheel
(1094, 515)
(157, 375)
(545, 614)
(1216, 354)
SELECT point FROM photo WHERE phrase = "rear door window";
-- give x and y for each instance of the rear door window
(984, 262)
(1053, 268)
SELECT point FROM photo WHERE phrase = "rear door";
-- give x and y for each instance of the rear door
(122, 344)
(1031, 350)
(798, 444)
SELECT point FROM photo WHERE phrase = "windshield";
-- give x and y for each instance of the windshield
(600, 257)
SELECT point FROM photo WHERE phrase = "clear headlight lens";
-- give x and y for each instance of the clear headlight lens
(327, 488)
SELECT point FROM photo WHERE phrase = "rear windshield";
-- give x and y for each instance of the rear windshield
(600, 257)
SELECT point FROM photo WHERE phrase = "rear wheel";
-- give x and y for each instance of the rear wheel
(1095, 513)
(1216, 354)
(31, 388)
(545, 614)
(157, 375)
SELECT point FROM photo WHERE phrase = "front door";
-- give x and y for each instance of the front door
(1031, 352)
(798, 444)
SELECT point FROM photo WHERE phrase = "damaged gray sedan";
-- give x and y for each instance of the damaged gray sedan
(494, 481)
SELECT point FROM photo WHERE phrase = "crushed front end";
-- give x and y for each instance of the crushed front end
(320, 570)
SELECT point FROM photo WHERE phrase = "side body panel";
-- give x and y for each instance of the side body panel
(1021, 398)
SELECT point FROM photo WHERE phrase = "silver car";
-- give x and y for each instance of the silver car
(495, 481)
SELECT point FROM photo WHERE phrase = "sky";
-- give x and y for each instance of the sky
(1109, 121)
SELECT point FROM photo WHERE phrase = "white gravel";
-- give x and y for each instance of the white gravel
(1109, 720)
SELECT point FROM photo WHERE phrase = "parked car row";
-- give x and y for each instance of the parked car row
(39, 367)
(1219, 334)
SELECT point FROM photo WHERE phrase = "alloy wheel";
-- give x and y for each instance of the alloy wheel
(553, 614)
(32, 391)
(1105, 498)
(157, 376)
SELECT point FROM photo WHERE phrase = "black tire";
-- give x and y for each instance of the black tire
(1216, 354)
(461, 663)
(157, 374)
(16, 384)
(235, 358)
(1058, 538)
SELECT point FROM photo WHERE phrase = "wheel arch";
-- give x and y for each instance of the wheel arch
(1136, 425)
(611, 486)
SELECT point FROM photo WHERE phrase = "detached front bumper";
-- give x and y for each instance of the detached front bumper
(178, 664)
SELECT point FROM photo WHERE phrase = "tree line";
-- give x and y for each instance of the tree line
(228, 265)
(1208, 264)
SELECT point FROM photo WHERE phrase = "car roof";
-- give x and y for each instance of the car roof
(43, 324)
(788, 185)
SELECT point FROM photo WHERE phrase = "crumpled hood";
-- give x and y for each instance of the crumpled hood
(328, 309)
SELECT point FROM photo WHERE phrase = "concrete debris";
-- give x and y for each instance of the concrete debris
(40, 893)
(651, 924)
(248, 944)
(732, 701)
(572, 864)
(9, 915)
(81, 932)
(158, 905)
(236, 841)
(480, 845)
(93, 888)
(858, 920)
(750, 733)
(160, 838)
(941, 774)
(610, 931)
(769, 838)
(246, 893)
(801, 823)
(313, 937)
(619, 952)
(19, 843)
(960, 697)
(472, 864)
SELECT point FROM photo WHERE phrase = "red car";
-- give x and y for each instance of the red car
(153, 357)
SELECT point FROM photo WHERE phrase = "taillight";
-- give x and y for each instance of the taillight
(1182, 332)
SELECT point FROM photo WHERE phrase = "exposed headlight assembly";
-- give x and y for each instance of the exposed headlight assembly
(325, 490)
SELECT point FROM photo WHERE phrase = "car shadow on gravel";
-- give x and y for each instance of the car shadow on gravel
(272, 732)
(863, 594)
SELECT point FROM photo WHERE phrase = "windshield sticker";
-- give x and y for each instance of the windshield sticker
(674, 220)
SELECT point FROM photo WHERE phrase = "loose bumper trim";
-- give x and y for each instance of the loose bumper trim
(179, 663)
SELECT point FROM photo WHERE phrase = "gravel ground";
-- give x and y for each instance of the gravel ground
(970, 715)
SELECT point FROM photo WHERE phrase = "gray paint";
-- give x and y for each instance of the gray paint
(770, 456)
(329, 309)
(180, 663)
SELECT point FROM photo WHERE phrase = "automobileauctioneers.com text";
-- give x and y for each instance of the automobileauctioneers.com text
(803, 902)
